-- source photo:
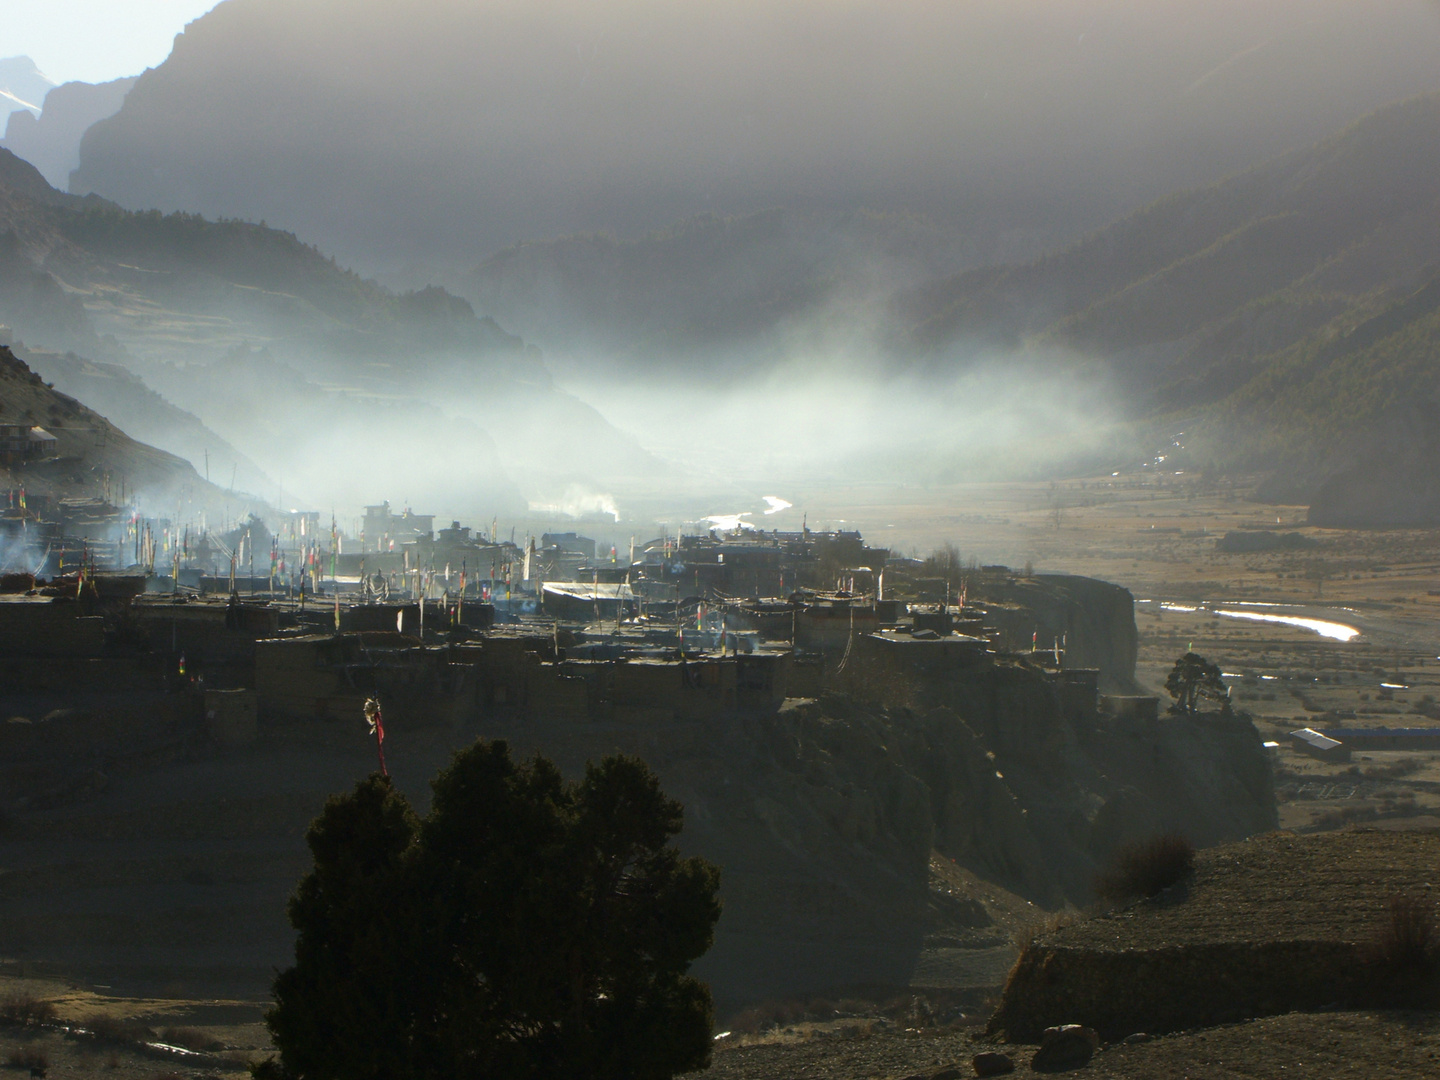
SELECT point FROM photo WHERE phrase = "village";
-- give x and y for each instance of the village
(298, 622)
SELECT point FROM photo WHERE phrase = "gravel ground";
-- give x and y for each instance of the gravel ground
(1300, 1046)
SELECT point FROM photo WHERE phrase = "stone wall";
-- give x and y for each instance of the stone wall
(46, 627)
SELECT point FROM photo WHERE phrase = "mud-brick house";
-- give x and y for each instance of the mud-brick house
(587, 601)
(324, 677)
(23, 442)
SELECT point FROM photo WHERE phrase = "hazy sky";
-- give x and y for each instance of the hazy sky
(94, 40)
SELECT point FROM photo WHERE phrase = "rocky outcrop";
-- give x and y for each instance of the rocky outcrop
(1093, 620)
(1190, 986)
(22, 85)
(51, 142)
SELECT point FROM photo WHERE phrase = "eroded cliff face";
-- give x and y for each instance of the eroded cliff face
(823, 816)
(1093, 620)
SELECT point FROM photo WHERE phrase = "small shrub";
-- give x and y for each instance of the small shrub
(769, 1015)
(28, 1057)
(1146, 868)
(1403, 959)
(1394, 769)
(191, 1039)
(114, 1030)
(26, 1011)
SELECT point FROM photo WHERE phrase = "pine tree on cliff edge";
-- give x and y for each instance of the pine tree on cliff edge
(1194, 680)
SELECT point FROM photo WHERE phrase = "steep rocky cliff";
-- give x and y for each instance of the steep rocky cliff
(824, 815)
(51, 141)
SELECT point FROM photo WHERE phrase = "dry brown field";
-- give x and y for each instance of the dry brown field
(95, 1034)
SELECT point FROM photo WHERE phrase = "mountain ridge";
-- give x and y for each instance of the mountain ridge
(93, 455)
(478, 126)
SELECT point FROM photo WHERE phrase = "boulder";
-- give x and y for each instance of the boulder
(992, 1063)
(1069, 1046)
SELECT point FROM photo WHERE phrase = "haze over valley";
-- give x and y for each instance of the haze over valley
(835, 280)
(980, 460)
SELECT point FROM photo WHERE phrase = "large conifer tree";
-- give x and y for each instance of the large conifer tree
(526, 927)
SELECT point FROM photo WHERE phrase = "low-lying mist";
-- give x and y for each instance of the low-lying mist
(637, 452)
(829, 422)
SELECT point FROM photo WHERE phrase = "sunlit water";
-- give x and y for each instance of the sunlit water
(733, 522)
(729, 522)
(1337, 631)
(1324, 627)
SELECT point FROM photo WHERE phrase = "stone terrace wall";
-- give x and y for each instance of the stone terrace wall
(1162, 990)
(1270, 924)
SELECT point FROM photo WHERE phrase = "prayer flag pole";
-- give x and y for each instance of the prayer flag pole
(377, 728)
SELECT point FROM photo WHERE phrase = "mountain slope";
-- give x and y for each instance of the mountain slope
(1334, 211)
(735, 291)
(299, 364)
(93, 455)
(1292, 307)
(123, 397)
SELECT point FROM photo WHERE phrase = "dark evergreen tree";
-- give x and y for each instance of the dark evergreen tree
(1194, 680)
(527, 927)
(341, 1011)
